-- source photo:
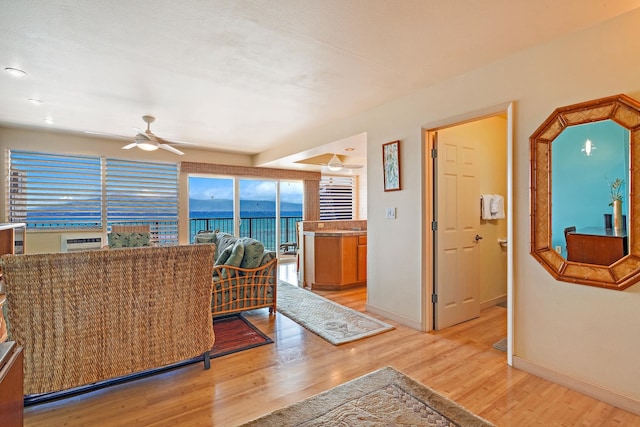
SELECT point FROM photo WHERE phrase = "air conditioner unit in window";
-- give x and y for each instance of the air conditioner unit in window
(81, 242)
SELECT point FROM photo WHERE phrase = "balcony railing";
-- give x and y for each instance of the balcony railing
(262, 229)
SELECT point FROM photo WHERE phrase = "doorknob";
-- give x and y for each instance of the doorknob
(478, 237)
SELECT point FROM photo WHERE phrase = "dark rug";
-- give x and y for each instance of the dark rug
(233, 334)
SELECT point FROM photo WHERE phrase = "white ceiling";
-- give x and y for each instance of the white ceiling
(240, 75)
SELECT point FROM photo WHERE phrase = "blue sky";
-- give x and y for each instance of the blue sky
(250, 189)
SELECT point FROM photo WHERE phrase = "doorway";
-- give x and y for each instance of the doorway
(469, 257)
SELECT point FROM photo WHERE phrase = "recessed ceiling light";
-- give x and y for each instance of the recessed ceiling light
(16, 72)
(35, 101)
(48, 121)
(349, 149)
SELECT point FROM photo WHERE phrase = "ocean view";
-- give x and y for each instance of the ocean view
(257, 223)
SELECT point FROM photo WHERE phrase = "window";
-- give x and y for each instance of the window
(336, 198)
(143, 193)
(63, 192)
(50, 192)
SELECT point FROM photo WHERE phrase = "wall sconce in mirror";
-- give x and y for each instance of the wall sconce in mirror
(618, 272)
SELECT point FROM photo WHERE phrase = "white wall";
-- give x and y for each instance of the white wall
(581, 332)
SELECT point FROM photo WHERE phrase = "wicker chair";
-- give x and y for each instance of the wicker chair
(238, 288)
(84, 317)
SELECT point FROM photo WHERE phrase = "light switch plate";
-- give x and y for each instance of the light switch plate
(391, 213)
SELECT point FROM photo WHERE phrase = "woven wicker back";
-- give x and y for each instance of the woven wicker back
(142, 228)
(88, 316)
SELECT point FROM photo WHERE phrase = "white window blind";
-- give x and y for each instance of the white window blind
(49, 191)
(144, 193)
(336, 198)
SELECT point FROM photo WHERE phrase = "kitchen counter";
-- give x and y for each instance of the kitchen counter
(335, 259)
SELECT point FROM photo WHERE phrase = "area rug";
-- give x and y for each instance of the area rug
(235, 333)
(501, 345)
(333, 322)
(385, 397)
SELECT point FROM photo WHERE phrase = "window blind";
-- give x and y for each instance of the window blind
(336, 198)
(49, 191)
(143, 193)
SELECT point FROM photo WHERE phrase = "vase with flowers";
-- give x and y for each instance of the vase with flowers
(615, 197)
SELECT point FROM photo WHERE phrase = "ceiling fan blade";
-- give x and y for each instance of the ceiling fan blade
(174, 141)
(126, 147)
(108, 135)
(170, 148)
(352, 166)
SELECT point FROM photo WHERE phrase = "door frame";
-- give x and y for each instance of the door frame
(428, 212)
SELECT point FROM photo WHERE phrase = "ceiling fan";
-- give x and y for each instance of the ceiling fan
(148, 141)
(336, 165)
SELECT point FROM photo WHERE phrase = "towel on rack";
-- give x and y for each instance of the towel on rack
(492, 206)
(485, 206)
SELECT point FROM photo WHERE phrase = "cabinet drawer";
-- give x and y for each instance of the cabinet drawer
(362, 240)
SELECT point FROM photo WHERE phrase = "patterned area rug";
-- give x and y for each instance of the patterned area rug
(382, 398)
(333, 322)
(501, 345)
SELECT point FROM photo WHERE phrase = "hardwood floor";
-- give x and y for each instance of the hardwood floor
(458, 362)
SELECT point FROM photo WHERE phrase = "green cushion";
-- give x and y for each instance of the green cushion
(224, 256)
(129, 240)
(209, 237)
(225, 240)
(235, 258)
(268, 256)
(253, 252)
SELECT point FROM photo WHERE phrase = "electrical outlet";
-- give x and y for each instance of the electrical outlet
(391, 213)
(559, 249)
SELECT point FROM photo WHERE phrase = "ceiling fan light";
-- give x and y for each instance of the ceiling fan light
(147, 145)
(334, 164)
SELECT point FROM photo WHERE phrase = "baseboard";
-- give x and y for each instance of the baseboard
(493, 301)
(612, 398)
(393, 316)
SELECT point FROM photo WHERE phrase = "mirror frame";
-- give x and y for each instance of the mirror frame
(624, 111)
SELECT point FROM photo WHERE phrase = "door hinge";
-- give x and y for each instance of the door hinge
(434, 225)
(434, 153)
(434, 298)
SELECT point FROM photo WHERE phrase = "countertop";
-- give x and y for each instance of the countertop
(334, 233)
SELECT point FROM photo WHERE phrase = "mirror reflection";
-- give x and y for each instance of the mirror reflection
(590, 169)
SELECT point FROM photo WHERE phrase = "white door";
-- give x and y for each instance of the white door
(457, 213)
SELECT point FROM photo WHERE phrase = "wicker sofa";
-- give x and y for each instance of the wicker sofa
(244, 274)
(85, 317)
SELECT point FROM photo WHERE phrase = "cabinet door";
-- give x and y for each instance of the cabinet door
(328, 260)
(362, 263)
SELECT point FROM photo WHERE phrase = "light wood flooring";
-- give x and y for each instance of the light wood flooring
(458, 362)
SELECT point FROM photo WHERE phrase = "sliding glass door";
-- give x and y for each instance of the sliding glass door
(265, 210)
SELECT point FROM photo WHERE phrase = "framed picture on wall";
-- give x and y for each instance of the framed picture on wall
(391, 165)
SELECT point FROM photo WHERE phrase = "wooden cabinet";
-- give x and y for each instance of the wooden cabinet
(12, 238)
(11, 385)
(362, 258)
(334, 260)
(596, 246)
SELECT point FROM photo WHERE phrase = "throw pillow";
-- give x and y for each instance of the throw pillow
(128, 240)
(224, 256)
(253, 251)
(235, 258)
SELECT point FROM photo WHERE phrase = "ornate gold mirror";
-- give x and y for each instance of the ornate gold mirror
(622, 270)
